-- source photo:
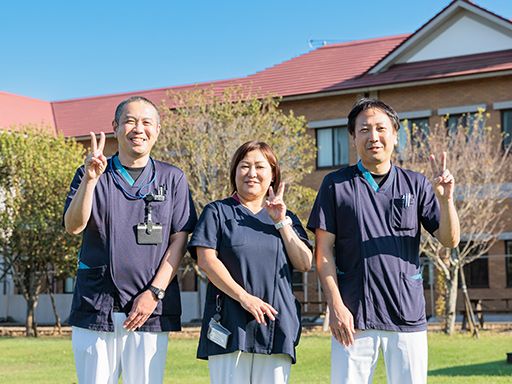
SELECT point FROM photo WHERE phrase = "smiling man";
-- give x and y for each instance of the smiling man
(367, 221)
(134, 214)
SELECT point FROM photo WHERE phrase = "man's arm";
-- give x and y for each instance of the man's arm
(145, 303)
(448, 232)
(341, 320)
(79, 211)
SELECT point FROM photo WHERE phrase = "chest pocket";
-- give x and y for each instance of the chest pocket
(234, 234)
(161, 212)
(404, 213)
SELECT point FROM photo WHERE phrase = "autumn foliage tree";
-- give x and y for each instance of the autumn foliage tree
(480, 164)
(36, 168)
(203, 129)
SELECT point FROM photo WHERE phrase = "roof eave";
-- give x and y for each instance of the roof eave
(405, 84)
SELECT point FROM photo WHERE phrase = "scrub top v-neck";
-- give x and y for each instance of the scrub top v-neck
(253, 251)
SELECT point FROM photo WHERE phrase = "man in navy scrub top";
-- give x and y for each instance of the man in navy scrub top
(248, 245)
(367, 220)
(134, 214)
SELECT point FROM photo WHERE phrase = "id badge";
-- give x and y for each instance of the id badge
(149, 235)
(218, 334)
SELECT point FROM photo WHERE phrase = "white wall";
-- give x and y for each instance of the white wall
(465, 36)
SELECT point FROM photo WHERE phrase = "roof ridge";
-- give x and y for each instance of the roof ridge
(364, 41)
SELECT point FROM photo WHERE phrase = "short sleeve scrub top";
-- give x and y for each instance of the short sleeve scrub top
(253, 252)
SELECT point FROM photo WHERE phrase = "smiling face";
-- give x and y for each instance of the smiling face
(374, 139)
(253, 176)
(137, 130)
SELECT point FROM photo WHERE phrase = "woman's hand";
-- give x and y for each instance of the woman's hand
(257, 307)
(275, 205)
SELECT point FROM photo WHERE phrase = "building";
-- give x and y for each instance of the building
(457, 62)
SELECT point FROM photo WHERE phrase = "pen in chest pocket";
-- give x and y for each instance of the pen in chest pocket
(406, 200)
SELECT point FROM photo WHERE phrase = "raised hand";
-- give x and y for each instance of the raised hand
(275, 205)
(95, 162)
(444, 182)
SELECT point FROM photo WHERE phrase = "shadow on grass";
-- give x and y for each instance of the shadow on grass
(492, 368)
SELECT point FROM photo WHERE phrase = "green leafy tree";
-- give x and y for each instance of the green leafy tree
(203, 129)
(36, 169)
(481, 167)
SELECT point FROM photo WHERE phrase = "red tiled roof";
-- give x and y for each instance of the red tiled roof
(306, 74)
(434, 69)
(78, 117)
(19, 110)
(324, 67)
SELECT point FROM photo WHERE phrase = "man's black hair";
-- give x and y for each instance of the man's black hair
(367, 103)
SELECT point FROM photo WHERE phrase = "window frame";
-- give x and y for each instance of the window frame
(333, 164)
(507, 140)
(508, 263)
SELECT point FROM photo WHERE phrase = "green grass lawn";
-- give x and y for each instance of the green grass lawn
(457, 359)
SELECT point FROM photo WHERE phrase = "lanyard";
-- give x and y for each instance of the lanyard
(116, 165)
(368, 176)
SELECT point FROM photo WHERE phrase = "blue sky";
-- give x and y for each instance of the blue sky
(55, 49)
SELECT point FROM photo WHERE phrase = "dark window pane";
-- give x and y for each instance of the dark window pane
(297, 281)
(506, 126)
(332, 147)
(508, 262)
(470, 122)
(477, 273)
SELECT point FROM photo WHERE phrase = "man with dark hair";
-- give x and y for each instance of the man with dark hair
(367, 220)
(134, 214)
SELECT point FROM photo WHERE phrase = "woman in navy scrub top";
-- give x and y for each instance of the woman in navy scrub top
(248, 245)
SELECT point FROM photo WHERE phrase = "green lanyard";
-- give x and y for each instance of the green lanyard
(123, 171)
(368, 176)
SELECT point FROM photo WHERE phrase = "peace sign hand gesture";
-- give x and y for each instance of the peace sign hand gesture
(95, 162)
(275, 205)
(444, 182)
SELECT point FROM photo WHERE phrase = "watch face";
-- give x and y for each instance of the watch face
(160, 295)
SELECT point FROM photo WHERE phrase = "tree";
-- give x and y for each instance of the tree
(480, 164)
(36, 169)
(202, 131)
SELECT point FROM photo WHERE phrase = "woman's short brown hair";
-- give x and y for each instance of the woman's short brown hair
(265, 149)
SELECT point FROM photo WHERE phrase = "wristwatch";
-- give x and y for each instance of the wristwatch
(281, 224)
(159, 293)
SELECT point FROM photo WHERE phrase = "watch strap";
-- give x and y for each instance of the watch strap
(159, 293)
(281, 224)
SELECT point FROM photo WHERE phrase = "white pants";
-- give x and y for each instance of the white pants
(101, 357)
(249, 368)
(405, 356)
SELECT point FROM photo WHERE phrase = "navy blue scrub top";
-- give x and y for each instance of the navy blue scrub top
(377, 244)
(111, 263)
(253, 252)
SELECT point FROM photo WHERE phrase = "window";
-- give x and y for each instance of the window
(414, 131)
(427, 271)
(506, 127)
(332, 147)
(508, 262)
(477, 273)
(298, 281)
(469, 121)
